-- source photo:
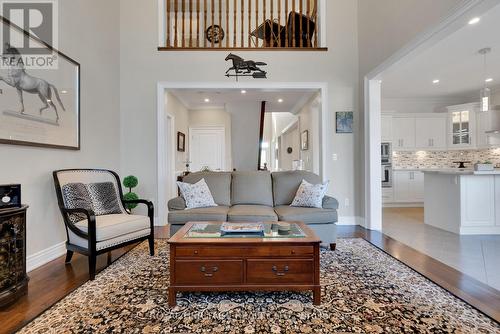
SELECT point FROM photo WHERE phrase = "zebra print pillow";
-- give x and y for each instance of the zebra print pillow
(76, 196)
(104, 198)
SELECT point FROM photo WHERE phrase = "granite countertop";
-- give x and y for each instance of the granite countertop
(457, 171)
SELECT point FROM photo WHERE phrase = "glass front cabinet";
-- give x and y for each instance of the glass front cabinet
(462, 125)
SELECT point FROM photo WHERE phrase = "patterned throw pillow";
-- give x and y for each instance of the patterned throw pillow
(104, 198)
(196, 195)
(76, 196)
(310, 195)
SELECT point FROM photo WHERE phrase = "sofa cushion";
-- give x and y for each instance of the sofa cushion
(251, 213)
(76, 196)
(219, 184)
(254, 188)
(310, 195)
(285, 185)
(215, 213)
(112, 226)
(105, 198)
(196, 195)
(306, 215)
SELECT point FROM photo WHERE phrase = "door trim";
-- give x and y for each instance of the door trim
(219, 129)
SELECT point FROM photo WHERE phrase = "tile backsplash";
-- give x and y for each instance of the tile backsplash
(443, 159)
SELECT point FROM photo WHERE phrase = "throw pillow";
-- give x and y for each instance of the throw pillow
(310, 195)
(76, 196)
(196, 195)
(104, 198)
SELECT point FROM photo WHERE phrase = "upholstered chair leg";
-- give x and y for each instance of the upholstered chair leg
(109, 258)
(69, 256)
(92, 265)
(151, 241)
(333, 246)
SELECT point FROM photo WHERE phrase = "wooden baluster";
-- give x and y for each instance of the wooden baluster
(197, 23)
(242, 23)
(249, 23)
(190, 23)
(183, 8)
(279, 23)
(234, 23)
(204, 23)
(309, 19)
(168, 25)
(175, 22)
(286, 24)
(257, 23)
(264, 5)
(316, 22)
(294, 42)
(220, 23)
(227, 24)
(272, 23)
(301, 42)
(213, 20)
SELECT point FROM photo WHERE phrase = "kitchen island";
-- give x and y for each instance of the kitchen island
(462, 201)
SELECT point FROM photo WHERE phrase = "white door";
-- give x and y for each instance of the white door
(207, 148)
(403, 131)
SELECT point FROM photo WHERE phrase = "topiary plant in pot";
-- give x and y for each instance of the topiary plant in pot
(130, 182)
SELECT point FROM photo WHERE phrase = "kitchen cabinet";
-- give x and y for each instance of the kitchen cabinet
(403, 133)
(462, 126)
(386, 129)
(487, 121)
(430, 133)
(408, 186)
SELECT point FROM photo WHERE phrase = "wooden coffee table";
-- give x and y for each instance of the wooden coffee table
(203, 260)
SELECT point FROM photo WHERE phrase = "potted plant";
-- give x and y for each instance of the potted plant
(130, 182)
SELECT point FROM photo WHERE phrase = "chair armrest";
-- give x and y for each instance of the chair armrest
(90, 221)
(149, 204)
(176, 204)
(330, 203)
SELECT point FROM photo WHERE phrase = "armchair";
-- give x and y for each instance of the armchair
(91, 233)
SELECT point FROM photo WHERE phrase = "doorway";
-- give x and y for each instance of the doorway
(207, 148)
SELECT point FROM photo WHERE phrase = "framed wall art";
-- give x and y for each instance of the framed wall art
(304, 140)
(40, 105)
(344, 120)
(181, 142)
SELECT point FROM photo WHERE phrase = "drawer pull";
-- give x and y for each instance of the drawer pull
(275, 270)
(203, 269)
(196, 252)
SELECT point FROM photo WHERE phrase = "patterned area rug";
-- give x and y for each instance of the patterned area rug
(363, 291)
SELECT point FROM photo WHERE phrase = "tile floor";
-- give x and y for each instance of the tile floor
(477, 256)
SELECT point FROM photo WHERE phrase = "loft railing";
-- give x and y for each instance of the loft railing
(241, 24)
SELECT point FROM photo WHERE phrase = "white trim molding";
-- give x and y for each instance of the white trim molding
(162, 141)
(44, 256)
(351, 220)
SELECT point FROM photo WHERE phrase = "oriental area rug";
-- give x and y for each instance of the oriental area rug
(364, 290)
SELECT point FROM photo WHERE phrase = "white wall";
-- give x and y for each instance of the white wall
(181, 123)
(216, 118)
(142, 66)
(91, 37)
(308, 120)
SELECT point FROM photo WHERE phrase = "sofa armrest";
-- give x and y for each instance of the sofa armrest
(177, 203)
(330, 203)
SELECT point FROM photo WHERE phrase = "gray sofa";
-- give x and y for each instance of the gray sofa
(257, 196)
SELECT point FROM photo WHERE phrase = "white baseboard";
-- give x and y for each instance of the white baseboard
(351, 220)
(42, 257)
(403, 205)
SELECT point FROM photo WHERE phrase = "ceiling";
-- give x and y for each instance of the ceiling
(293, 99)
(454, 61)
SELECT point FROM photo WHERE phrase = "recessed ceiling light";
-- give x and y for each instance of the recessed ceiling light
(435, 81)
(280, 100)
(489, 80)
(474, 20)
(243, 91)
(207, 100)
(64, 92)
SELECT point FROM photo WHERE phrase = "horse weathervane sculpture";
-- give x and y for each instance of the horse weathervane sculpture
(245, 68)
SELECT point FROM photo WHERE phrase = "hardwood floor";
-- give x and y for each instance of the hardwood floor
(53, 281)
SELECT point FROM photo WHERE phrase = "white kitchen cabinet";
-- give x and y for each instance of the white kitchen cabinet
(430, 133)
(386, 129)
(387, 195)
(462, 126)
(408, 186)
(403, 133)
(487, 121)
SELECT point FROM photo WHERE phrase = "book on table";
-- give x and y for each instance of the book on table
(242, 228)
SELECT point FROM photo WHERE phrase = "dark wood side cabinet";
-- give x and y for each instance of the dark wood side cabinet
(13, 278)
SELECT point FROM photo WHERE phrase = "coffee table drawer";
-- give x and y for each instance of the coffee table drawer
(208, 272)
(280, 270)
(192, 251)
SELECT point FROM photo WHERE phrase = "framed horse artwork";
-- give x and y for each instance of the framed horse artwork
(39, 104)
